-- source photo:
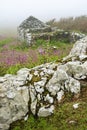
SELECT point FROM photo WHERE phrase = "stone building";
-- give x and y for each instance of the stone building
(29, 27)
(32, 29)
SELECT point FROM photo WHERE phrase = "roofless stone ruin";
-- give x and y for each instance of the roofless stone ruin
(32, 29)
(31, 26)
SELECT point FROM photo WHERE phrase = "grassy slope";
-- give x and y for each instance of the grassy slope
(14, 55)
(5, 41)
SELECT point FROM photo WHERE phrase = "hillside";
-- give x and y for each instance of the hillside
(58, 87)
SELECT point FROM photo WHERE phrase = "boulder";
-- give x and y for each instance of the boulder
(79, 51)
(13, 102)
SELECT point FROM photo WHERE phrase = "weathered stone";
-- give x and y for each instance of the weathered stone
(79, 48)
(32, 93)
(44, 112)
(38, 97)
(19, 105)
(33, 107)
(26, 117)
(72, 122)
(36, 73)
(75, 106)
(83, 57)
(60, 76)
(2, 79)
(49, 71)
(19, 81)
(42, 74)
(54, 84)
(75, 68)
(40, 83)
(14, 106)
(60, 95)
(53, 89)
(4, 126)
(72, 85)
(39, 89)
(23, 71)
(10, 94)
(48, 98)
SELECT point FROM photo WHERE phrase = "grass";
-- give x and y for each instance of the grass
(14, 68)
(65, 117)
(48, 44)
(15, 55)
(5, 41)
(41, 43)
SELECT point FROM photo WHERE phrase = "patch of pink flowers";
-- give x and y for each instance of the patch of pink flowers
(12, 57)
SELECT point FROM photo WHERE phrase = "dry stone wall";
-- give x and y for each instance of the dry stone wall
(37, 90)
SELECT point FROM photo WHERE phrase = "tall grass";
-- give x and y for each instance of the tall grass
(71, 23)
(5, 41)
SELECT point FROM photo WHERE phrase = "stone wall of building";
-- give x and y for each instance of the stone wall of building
(32, 29)
(29, 27)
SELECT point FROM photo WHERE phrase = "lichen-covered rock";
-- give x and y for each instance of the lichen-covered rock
(39, 89)
(48, 98)
(78, 51)
(75, 68)
(44, 112)
(33, 106)
(60, 95)
(72, 85)
(56, 83)
(13, 103)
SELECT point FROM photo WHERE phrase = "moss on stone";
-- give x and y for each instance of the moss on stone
(35, 79)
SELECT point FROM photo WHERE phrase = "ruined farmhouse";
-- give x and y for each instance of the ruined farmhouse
(29, 27)
(32, 28)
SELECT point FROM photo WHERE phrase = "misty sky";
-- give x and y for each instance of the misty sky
(13, 12)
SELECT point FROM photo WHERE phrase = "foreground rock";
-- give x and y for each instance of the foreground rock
(78, 52)
(37, 90)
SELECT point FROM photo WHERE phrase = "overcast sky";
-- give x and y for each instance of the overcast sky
(13, 12)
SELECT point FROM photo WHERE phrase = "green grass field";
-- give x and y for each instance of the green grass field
(15, 55)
